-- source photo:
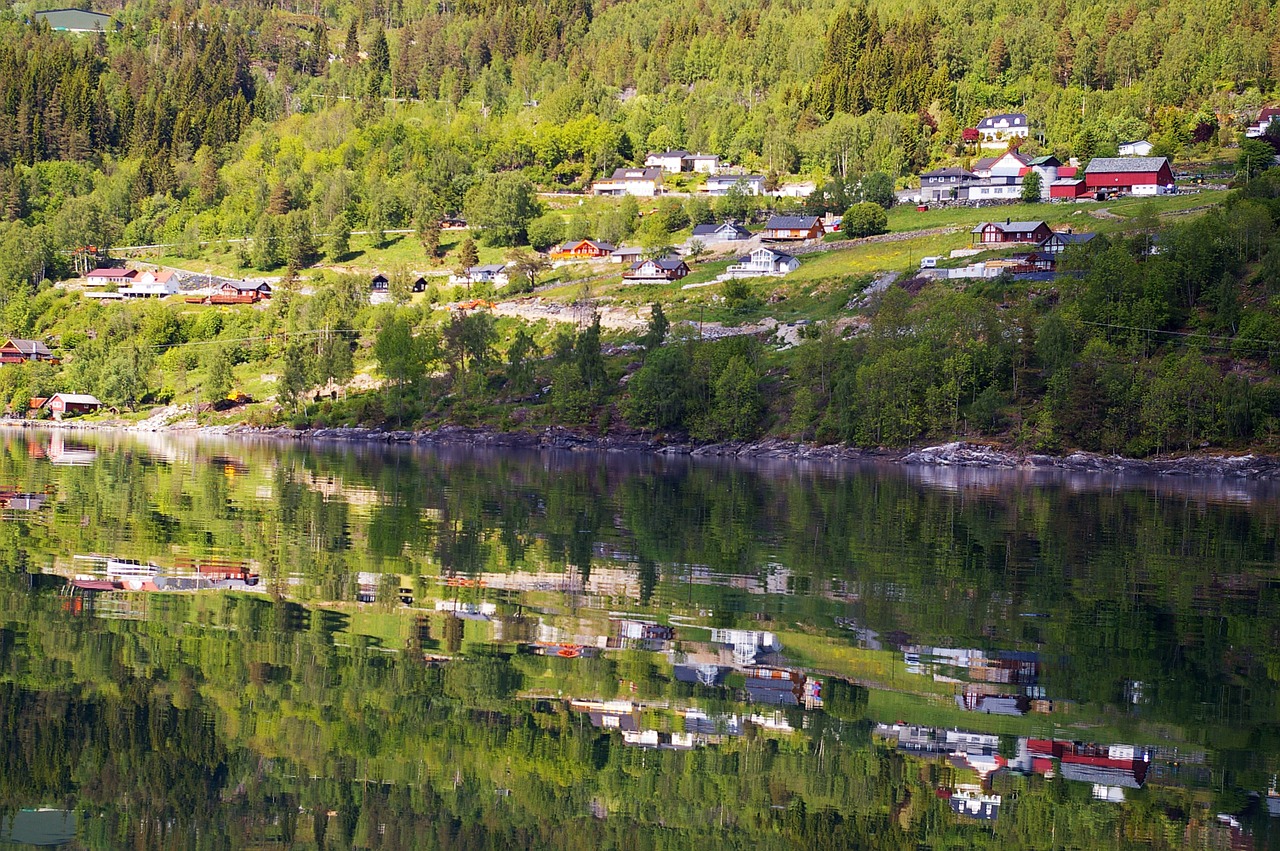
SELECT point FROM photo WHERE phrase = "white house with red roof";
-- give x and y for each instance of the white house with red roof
(1257, 128)
(150, 284)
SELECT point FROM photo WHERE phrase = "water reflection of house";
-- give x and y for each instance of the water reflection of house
(1002, 666)
(466, 611)
(707, 675)
(14, 501)
(748, 645)
(63, 451)
(994, 704)
(969, 800)
(1116, 766)
(640, 635)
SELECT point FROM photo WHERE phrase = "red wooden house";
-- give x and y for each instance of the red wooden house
(583, 249)
(1138, 175)
(233, 292)
(995, 233)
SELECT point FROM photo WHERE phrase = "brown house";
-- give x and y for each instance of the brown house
(17, 351)
(793, 228)
(661, 269)
(996, 233)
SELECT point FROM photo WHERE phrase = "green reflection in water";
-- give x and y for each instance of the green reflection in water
(472, 649)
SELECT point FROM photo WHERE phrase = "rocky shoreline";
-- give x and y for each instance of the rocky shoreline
(958, 454)
(557, 438)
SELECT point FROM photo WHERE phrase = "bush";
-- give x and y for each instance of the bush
(864, 219)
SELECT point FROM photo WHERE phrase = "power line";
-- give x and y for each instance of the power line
(1186, 334)
(285, 335)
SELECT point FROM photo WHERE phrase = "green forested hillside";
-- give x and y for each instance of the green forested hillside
(247, 136)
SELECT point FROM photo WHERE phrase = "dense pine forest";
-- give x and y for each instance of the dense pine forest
(266, 137)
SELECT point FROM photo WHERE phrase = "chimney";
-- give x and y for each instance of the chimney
(1007, 220)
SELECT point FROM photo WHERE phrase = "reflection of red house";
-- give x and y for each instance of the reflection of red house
(1112, 765)
(583, 249)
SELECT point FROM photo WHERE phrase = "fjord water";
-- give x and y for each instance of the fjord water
(455, 648)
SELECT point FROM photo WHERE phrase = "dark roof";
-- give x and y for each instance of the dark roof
(1014, 119)
(380, 278)
(1017, 227)
(1046, 160)
(774, 692)
(1126, 777)
(727, 227)
(75, 20)
(653, 173)
(1072, 238)
(489, 269)
(667, 264)
(689, 674)
(681, 154)
(954, 172)
(1113, 165)
(30, 347)
(791, 222)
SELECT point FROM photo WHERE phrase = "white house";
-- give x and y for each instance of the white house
(672, 162)
(795, 190)
(727, 232)
(1259, 127)
(761, 263)
(1135, 149)
(996, 131)
(626, 254)
(703, 163)
(1008, 164)
(108, 277)
(641, 182)
(153, 285)
(493, 273)
(720, 184)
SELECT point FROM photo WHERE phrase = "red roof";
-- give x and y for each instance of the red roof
(1023, 171)
(1065, 171)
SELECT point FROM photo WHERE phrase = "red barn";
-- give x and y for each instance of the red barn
(1138, 175)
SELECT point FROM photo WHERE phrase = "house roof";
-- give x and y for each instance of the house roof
(29, 347)
(599, 246)
(630, 250)
(111, 273)
(668, 264)
(653, 173)
(1045, 161)
(681, 154)
(774, 255)
(791, 222)
(247, 286)
(1114, 165)
(727, 227)
(1010, 119)
(1065, 171)
(380, 278)
(1019, 227)
(956, 172)
(489, 269)
(75, 20)
(732, 179)
(1072, 238)
(1267, 114)
(1134, 142)
(75, 398)
(704, 156)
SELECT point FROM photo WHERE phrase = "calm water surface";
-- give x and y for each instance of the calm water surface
(222, 644)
